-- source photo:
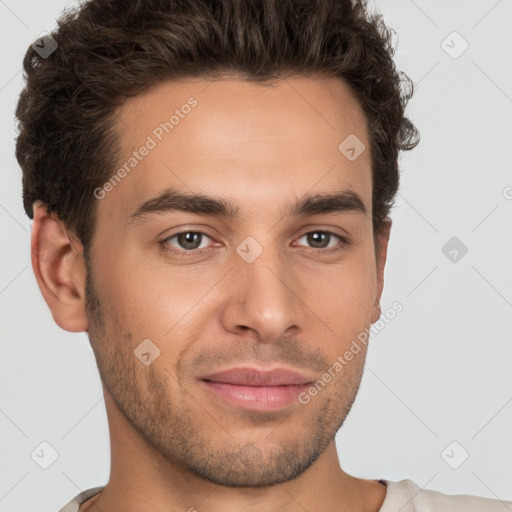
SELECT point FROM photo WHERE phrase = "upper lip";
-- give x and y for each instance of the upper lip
(249, 376)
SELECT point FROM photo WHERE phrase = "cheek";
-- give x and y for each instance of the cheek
(343, 291)
(126, 293)
(342, 300)
(152, 300)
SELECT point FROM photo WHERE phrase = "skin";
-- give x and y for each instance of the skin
(175, 445)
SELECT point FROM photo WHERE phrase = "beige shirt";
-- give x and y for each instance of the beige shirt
(403, 496)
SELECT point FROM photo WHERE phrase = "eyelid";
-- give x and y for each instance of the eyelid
(331, 233)
(342, 244)
(193, 252)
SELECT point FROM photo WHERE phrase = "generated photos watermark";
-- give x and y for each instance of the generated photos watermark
(342, 360)
(152, 141)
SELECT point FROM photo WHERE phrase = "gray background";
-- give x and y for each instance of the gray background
(440, 372)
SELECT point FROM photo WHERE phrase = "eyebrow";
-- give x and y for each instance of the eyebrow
(342, 201)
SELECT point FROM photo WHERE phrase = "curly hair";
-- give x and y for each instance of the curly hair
(109, 50)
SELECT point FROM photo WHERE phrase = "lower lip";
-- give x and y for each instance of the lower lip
(258, 398)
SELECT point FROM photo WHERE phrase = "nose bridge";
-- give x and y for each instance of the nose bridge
(262, 296)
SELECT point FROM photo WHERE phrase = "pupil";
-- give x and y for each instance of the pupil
(187, 240)
(316, 236)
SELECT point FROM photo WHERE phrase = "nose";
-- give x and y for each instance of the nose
(263, 298)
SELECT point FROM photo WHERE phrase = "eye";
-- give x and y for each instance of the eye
(192, 243)
(187, 241)
(322, 240)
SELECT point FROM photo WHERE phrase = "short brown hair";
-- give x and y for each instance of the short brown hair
(112, 49)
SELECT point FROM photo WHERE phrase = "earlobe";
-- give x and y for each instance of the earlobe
(60, 270)
(376, 311)
(383, 239)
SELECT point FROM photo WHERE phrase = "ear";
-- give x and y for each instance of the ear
(60, 270)
(382, 241)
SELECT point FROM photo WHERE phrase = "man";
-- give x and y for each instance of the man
(210, 184)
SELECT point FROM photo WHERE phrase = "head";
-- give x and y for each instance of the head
(216, 178)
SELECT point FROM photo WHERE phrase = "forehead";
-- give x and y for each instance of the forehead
(240, 139)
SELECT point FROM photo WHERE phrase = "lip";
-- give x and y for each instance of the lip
(251, 376)
(255, 389)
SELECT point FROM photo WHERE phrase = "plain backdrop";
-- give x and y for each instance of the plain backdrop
(437, 387)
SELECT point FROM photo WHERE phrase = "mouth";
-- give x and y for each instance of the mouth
(254, 389)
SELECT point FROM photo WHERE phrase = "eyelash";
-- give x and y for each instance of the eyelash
(199, 252)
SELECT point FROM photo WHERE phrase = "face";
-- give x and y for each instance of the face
(259, 277)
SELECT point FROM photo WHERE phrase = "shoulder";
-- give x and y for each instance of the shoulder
(74, 504)
(406, 496)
